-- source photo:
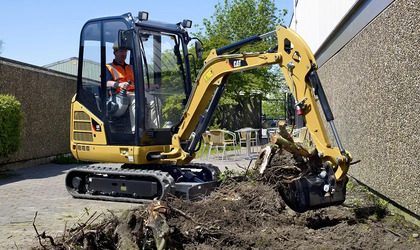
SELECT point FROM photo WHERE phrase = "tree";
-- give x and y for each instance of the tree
(1, 46)
(235, 20)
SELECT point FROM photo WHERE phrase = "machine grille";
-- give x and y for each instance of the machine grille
(82, 136)
(82, 123)
(81, 116)
(85, 126)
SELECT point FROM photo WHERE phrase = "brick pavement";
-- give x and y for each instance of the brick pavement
(41, 189)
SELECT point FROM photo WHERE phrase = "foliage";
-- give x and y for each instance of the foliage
(1, 46)
(226, 174)
(10, 124)
(215, 125)
(172, 109)
(273, 109)
(235, 20)
(274, 106)
(230, 175)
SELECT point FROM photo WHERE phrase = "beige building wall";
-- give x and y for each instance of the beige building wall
(373, 85)
(45, 97)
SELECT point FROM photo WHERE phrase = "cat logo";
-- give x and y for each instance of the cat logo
(235, 63)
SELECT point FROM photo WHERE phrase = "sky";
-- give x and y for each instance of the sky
(41, 32)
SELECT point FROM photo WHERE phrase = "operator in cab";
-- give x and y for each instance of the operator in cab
(120, 81)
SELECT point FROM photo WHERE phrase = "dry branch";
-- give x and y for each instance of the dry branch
(183, 214)
(36, 231)
(43, 235)
(290, 146)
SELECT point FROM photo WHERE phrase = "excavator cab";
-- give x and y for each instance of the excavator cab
(133, 125)
(158, 55)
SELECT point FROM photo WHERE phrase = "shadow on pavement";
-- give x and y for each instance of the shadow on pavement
(7, 176)
(35, 172)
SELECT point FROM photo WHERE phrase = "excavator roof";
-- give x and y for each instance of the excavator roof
(132, 21)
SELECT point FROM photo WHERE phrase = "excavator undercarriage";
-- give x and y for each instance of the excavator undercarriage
(129, 184)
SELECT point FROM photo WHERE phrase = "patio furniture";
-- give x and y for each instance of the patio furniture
(220, 139)
(206, 143)
(271, 131)
(264, 136)
(249, 137)
(302, 136)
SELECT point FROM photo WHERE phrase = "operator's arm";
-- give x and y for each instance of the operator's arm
(115, 84)
(111, 83)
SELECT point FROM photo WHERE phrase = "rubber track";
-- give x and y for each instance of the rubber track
(166, 181)
(209, 167)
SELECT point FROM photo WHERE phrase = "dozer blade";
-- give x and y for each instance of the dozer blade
(194, 191)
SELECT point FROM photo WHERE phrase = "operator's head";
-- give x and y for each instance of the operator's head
(119, 53)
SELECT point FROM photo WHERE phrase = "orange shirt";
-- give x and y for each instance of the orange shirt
(122, 73)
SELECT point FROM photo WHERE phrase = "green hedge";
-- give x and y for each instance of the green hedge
(10, 124)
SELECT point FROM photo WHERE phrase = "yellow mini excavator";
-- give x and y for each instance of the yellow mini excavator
(156, 134)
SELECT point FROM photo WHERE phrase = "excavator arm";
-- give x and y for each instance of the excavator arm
(298, 66)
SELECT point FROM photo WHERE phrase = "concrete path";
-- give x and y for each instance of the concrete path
(41, 189)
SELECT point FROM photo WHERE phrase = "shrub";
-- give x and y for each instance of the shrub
(10, 124)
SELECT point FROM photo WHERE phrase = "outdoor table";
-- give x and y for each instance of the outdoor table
(248, 132)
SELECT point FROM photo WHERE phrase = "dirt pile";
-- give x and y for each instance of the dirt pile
(239, 215)
(248, 214)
